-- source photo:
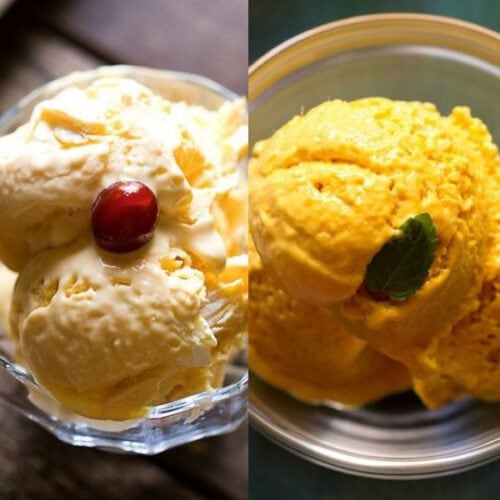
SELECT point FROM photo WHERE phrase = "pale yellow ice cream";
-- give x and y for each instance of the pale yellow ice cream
(303, 349)
(7, 280)
(108, 334)
(330, 188)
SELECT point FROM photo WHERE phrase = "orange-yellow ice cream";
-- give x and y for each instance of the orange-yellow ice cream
(330, 188)
(303, 349)
(467, 361)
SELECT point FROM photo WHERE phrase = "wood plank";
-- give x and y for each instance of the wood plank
(199, 36)
(218, 466)
(34, 464)
(4, 5)
(39, 57)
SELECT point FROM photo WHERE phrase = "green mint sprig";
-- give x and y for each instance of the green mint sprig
(402, 265)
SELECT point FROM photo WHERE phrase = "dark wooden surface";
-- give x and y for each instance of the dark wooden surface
(42, 40)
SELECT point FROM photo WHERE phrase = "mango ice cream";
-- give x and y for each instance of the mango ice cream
(302, 349)
(329, 191)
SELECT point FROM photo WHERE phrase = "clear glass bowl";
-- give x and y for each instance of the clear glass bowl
(400, 56)
(164, 426)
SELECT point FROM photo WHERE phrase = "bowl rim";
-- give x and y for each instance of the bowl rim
(453, 26)
(365, 466)
(263, 75)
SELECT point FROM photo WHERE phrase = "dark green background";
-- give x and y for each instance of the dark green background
(274, 473)
(274, 21)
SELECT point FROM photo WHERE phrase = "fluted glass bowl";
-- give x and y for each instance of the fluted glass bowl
(164, 426)
(400, 56)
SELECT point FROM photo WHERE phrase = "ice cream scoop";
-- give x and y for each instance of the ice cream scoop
(303, 349)
(7, 280)
(332, 187)
(108, 327)
(83, 140)
(467, 360)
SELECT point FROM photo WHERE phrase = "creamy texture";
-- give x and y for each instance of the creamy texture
(87, 323)
(331, 187)
(467, 361)
(109, 334)
(303, 349)
(82, 141)
(7, 280)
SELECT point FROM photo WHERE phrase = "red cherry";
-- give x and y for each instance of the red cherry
(124, 216)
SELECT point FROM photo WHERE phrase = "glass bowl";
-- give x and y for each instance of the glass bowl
(164, 426)
(400, 56)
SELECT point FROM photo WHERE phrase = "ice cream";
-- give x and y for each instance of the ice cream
(303, 349)
(111, 333)
(467, 360)
(332, 187)
(7, 280)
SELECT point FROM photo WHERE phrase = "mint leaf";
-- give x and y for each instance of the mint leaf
(402, 265)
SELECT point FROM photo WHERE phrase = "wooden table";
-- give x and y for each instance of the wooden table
(40, 41)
